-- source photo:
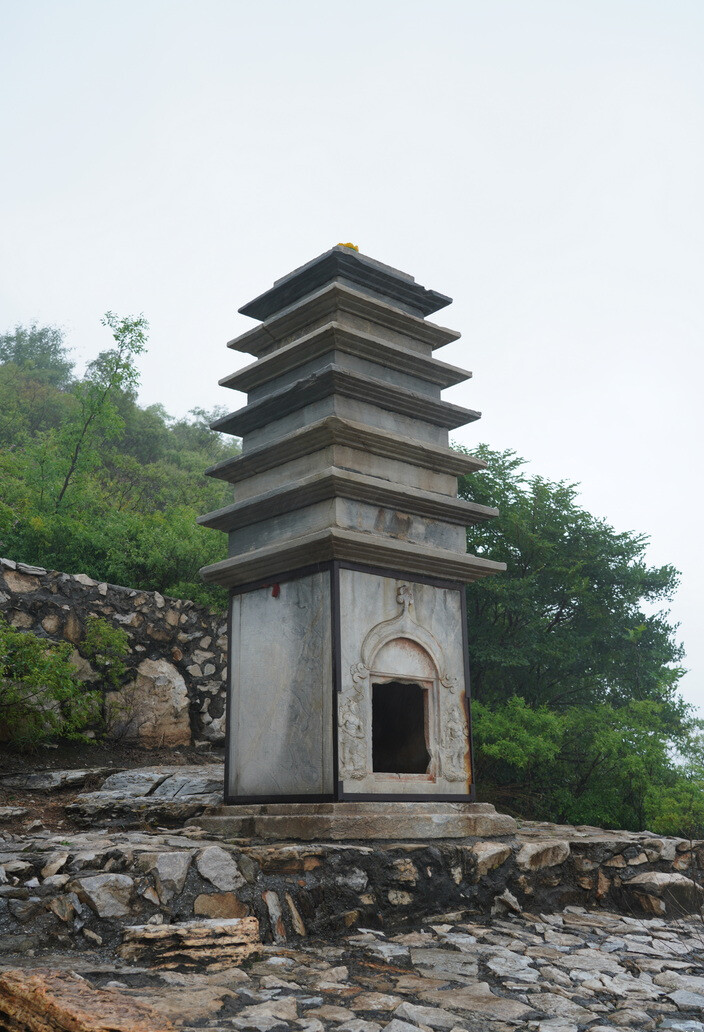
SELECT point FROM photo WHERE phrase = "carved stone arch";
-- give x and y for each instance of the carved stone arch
(402, 626)
(405, 658)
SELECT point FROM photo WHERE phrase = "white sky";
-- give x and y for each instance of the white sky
(541, 162)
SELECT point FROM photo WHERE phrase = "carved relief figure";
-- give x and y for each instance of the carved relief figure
(352, 738)
(454, 749)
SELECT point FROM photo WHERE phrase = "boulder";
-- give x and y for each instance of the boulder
(152, 710)
(108, 894)
(217, 866)
(169, 870)
(659, 891)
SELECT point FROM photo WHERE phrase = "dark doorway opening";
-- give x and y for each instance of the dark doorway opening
(398, 728)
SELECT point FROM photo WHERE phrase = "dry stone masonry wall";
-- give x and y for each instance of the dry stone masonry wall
(174, 692)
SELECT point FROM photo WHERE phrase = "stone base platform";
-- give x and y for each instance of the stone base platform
(356, 821)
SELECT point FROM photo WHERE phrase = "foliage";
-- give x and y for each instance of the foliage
(94, 483)
(106, 647)
(678, 808)
(39, 351)
(574, 664)
(40, 696)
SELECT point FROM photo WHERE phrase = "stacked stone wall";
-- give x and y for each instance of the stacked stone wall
(174, 691)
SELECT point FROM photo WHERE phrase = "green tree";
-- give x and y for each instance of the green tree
(112, 373)
(574, 663)
(40, 352)
(571, 620)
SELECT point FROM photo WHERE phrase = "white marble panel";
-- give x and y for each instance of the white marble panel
(280, 734)
(386, 620)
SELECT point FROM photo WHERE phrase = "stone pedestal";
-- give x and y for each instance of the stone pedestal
(349, 821)
(347, 547)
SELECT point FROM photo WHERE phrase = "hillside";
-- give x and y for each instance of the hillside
(92, 481)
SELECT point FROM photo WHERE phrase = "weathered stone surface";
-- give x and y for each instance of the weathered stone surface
(678, 980)
(686, 1000)
(559, 1006)
(46, 1000)
(535, 855)
(276, 919)
(54, 864)
(200, 1003)
(435, 1017)
(361, 821)
(12, 813)
(221, 904)
(489, 855)
(20, 583)
(192, 943)
(46, 780)
(191, 782)
(108, 894)
(285, 1009)
(154, 709)
(453, 971)
(110, 808)
(270, 748)
(662, 882)
(169, 870)
(135, 782)
(478, 998)
(444, 963)
(218, 867)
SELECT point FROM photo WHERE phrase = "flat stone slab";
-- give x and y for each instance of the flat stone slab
(192, 944)
(166, 795)
(388, 821)
(52, 780)
(45, 1000)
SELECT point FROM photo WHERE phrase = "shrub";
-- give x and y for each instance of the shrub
(106, 647)
(40, 695)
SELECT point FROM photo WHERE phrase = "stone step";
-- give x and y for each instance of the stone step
(390, 807)
(347, 822)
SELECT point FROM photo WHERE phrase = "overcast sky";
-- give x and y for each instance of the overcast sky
(541, 162)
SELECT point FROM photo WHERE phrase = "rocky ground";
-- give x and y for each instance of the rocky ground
(116, 915)
(514, 971)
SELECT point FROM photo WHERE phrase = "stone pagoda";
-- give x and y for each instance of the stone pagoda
(348, 681)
